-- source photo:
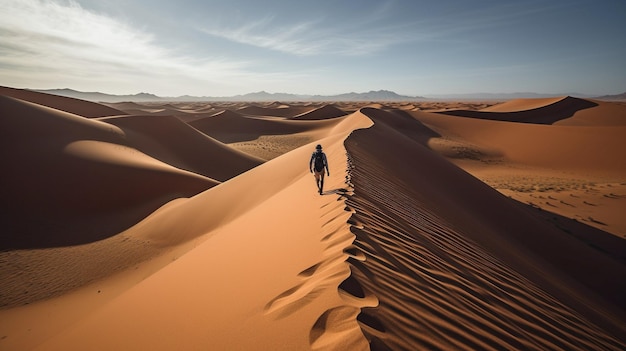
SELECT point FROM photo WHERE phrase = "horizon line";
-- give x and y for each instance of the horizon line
(425, 95)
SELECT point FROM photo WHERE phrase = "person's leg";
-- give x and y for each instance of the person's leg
(321, 182)
(317, 179)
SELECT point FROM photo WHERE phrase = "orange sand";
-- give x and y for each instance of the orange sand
(197, 225)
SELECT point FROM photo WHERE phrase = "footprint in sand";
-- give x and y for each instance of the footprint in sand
(298, 296)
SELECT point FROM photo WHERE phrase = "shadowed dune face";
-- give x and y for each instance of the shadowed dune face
(547, 114)
(176, 143)
(402, 122)
(72, 180)
(324, 112)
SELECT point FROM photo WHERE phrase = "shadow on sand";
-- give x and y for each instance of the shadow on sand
(548, 114)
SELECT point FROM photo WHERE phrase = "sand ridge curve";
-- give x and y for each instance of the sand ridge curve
(66, 104)
(545, 111)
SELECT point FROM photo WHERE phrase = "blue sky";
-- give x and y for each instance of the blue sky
(223, 48)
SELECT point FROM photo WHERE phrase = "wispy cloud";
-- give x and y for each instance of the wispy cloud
(312, 37)
(262, 33)
(44, 40)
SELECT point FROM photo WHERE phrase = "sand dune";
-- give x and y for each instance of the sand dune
(526, 104)
(183, 111)
(405, 250)
(67, 104)
(275, 109)
(540, 111)
(584, 112)
(589, 148)
(563, 111)
(72, 172)
(324, 112)
(436, 286)
(170, 140)
(248, 241)
(604, 114)
(568, 168)
(128, 105)
(230, 126)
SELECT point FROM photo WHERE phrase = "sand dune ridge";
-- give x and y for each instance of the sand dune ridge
(437, 262)
(551, 112)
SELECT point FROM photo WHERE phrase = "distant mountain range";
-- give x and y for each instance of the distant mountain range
(503, 96)
(621, 96)
(380, 95)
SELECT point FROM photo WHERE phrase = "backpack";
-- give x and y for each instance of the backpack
(319, 161)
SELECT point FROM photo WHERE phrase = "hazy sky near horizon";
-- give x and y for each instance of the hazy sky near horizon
(223, 48)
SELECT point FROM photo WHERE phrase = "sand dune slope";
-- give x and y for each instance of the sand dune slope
(456, 265)
(543, 111)
(62, 103)
(586, 149)
(128, 105)
(269, 275)
(517, 105)
(324, 112)
(583, 111)
(604, 114)
(174, 142)
(573, 168)
(230, 126)
(153, 109)
(69, 179)
(275, 109)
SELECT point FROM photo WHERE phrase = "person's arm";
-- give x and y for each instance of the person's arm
(311, 163)
(326, 164)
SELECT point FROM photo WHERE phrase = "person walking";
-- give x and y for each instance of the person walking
(317, 164)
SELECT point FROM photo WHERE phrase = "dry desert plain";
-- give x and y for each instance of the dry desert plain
(197, 226)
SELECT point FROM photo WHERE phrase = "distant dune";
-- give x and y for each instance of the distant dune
(324, 112)
(67, 104)
(281, 111)
(442, 225)
(538, 111)
(616, 97)
(231, 126)
(176, 143)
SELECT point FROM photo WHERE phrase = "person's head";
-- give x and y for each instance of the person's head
(318, 147)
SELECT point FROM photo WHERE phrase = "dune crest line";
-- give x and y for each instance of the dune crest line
(337, 326)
